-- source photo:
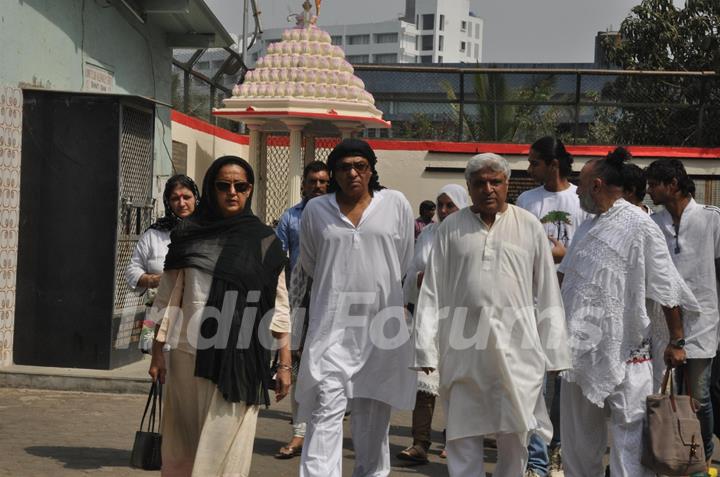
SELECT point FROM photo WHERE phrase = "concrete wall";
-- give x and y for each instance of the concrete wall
(205, 143)
(402, 164)
(10, 129)
(60, 45)
(404, 170)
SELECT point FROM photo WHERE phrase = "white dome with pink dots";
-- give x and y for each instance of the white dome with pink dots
(305, 64)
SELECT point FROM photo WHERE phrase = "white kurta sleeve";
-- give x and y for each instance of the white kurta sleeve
(138, 265)
(427, 314)
(550, 314)
(281, 317)
(307, 241)
(407, 235)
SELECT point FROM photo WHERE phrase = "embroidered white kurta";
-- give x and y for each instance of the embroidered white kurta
(616, 261)
(477, 324)
(694, 250)
(357, 273)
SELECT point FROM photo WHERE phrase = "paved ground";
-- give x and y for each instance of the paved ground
(63, 433)
(67, 433)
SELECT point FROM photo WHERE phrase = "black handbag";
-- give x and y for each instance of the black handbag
(146, 448)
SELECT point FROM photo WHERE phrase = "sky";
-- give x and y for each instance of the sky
(516, 31)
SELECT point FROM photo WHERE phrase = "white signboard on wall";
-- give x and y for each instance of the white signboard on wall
(98, 79)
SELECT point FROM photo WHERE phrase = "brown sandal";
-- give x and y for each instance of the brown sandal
(414, 453)
(288, 452)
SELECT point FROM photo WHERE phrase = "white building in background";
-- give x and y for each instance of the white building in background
(431, 31)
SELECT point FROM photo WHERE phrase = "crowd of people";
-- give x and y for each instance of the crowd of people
(576, 295)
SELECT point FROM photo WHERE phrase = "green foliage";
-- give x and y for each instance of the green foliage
(521, 122)
(658, 36)
(557, 217)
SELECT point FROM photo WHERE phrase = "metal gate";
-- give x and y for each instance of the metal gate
(135, 204)
(276, 170)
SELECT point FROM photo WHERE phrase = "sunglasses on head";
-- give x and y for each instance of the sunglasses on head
(239, 187)
(358, 166)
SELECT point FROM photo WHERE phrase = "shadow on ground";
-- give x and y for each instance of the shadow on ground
(83, 458)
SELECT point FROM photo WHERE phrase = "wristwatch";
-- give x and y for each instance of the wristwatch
(679, 343)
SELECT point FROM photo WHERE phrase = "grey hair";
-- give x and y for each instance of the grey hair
(487, 160)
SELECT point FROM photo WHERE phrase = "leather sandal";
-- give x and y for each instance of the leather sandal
(288, 452)
(415, 453)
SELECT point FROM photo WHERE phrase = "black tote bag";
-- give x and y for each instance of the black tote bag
(146, 448)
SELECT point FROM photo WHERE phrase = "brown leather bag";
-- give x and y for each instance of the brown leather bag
(672, 442)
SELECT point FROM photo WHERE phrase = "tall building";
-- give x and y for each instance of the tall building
(430, 31)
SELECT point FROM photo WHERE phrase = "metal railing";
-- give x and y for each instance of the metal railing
(582, 106)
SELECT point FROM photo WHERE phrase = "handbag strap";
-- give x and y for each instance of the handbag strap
(154, 395)
(151, 395)
(667, 379)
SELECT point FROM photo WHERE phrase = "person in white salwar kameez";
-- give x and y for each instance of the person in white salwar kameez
(692, 234)
(450, 199)
(490, 319)
(356, 243)
(616, 261)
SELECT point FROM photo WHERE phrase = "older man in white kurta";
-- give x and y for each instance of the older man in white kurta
(490, 319)
(358, 348)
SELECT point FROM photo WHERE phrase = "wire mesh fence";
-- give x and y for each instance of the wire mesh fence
(518, 105)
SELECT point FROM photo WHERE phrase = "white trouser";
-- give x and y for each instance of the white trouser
(658, 363)
(584, 427)
(465, 456)
(369, 424)
(298, 427)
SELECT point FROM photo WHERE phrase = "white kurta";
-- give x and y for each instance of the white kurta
(423, 246)
(616, 261)
(148, 257)
(357, 273)
(476, 323)
(694, 252)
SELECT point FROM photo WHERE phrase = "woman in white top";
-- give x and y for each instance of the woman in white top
(223, 282)
(450, 199)
(148, 259)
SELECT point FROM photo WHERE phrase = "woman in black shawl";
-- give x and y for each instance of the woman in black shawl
(223, 282)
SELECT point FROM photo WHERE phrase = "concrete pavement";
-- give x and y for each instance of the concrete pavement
(67, 433)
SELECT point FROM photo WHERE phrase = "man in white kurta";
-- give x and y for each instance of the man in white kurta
(616, 261)
(358, 348)
(490, 319)
(692, 234)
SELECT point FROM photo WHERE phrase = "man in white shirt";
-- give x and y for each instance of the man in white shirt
(617, 261)
(356, 242)
(555, 202)
(692, 233)
(490, 320)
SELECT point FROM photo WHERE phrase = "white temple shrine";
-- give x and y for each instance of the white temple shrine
(305, 86)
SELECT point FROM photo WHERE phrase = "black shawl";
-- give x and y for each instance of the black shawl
(231, 250)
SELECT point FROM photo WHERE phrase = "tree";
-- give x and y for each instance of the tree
(533, 116)
(658, 36)
(559, 218)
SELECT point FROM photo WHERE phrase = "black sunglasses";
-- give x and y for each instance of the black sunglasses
(239, 187)
(358, 166)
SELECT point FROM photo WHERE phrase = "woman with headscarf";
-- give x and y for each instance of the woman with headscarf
(223, 281)
(450, 199)
(146, 264)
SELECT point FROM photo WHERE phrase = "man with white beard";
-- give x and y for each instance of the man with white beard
(490, 319)
(616, 261)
